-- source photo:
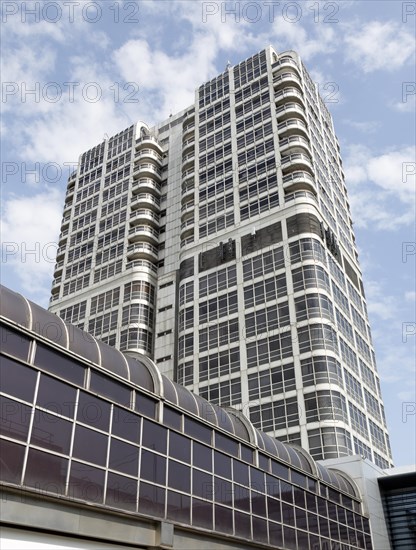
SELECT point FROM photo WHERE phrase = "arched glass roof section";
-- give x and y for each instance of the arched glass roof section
(143, 372)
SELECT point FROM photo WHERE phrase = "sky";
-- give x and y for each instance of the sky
(76, 72)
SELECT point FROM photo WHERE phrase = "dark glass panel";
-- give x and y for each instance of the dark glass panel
(286, 491)
(51, 432)
(290, 538)
(15, 418)
(314, 541)
(275, 533)
(303, 540)
(273, 486)
(301, 521)
(14, 342)
(154, 436)
(178, 507)
(222, 465)
(197, 430)
(257, 480)
(223, 519)
(145, 405)
(11, 462)
(313, 523)
(116, 391)
(126, 424)
(202, 484)
(123, 457)
(280, 470)
(152, 500)
(121, 492)
(246, 454)
(298, 479)
(274, 509)
(264, 462)
(202, 456)
(299, 496)
(153, 467)
(202, 515)
(86, 482)
(90, 446)
(223, 491)
(288, 514)
(179, 476)
(46, 472)
(240, 472)
(180, 447)
(311, 502)
(242, 525)
(59, 364)
(172, 418)
(17, 379)
(93, 411)
(333, 527)
(226, 444)
(260, 530)
(322, 509)
(258, 504)
(242, 498)
(56, 396)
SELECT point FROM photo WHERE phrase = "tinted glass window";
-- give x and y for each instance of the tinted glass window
(178, 507)
(240, 472)
(11, 462)
(14, 342)
(242, 525)
(180, 447)
(202, 513)
(197, 430)
(145, 405)
(172, 418)
(121, 492)
(202, 484)
(15, 418)
(56, 396)
(123, 457)
(202, 456)
(90, 445)
(226, 444)
(110, 388)
(152, 499)
(51, 432)
(86, 482)
(222, 465)
(126, 425)
(257, 480)
(179, 476)
(223, 519)
(93, 411)
(246, 454)
(223, 491)
(153, 467)
(46, 472)
(154, 436)
(17, 379)
(59, 364)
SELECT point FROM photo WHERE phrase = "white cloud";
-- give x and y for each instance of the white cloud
(366, 127)
(410, 296)
(382, 187)
(379, 46)
(29, 228)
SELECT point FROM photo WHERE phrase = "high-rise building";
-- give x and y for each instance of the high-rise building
(220, 244)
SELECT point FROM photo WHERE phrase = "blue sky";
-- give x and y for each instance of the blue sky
(75, 71)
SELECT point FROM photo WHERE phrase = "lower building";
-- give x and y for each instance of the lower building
(100, 450)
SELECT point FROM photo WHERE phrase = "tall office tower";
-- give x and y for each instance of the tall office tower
(220, 244)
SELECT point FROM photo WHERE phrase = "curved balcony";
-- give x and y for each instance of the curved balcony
(285, 62)
(188, 192)
(143, 233)
(291, 127)
(187, 241)
(147, 169)
(187, 211)
(67, 206)
(300, 196)
(146, 153)
(299, 181)
(63, 236)
(293, 143)
(189, 117)
(287, 111)
(188, 131)
(290, 93)
(188, 145)
(143, 216)
(187, 228)
(148, 142)
(142, 265)
(188, 160)
(295, 162)
(70, 190)
(146, 185)
(65, 221)
(285, 79)
(60, 253)
(145, 200)
(187, 175)
(56, 282)
(58, 268)
(142, 251)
